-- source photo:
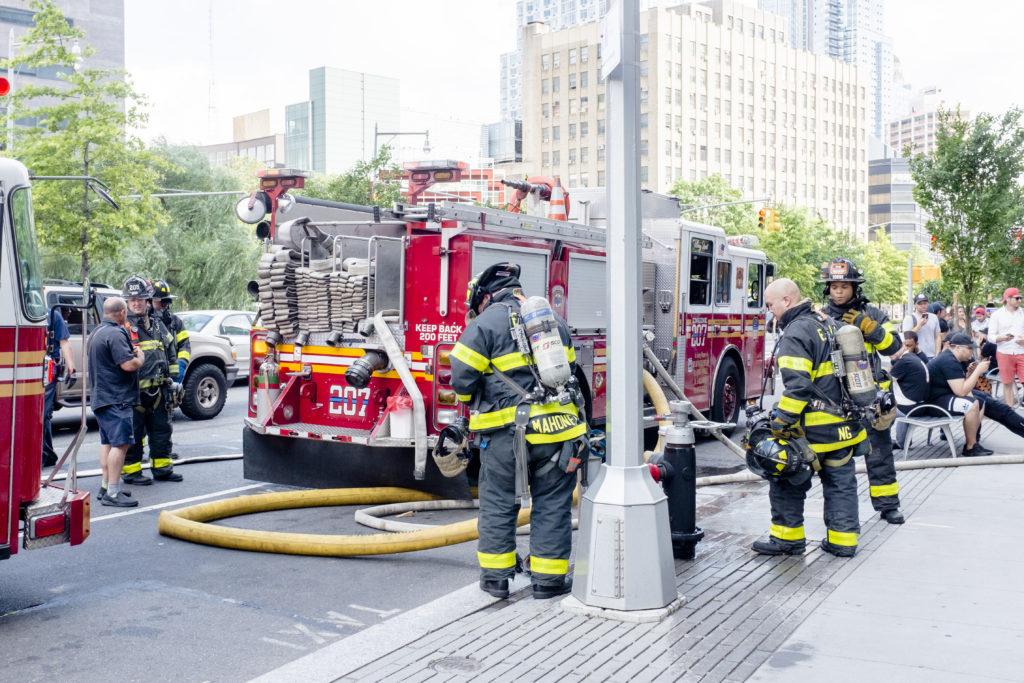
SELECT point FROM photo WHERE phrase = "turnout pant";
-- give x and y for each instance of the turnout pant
(550, 518)
(49, 396)
(151, 419)
(885, 491)
(839, 487)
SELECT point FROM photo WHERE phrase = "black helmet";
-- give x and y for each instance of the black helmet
(841, 270)
(137, 286)
(162, 291)
(775, 458)
(490, 280)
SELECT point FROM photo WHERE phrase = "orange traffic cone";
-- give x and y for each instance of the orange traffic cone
(556, 206)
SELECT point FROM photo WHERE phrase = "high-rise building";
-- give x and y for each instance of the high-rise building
(253, 137)
(720, 92)
(891, 204)
(337, 125)
(916, 129)
(102, 21)
(850, 30)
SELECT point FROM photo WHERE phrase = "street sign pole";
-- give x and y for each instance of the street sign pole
(625, 561)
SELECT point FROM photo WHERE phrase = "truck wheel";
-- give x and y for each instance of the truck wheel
(205, 392)
(728, 395)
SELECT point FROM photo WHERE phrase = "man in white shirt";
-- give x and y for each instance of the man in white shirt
(926, 325)
(1006, 330)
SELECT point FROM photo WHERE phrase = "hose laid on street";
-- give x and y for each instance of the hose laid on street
(183, 461)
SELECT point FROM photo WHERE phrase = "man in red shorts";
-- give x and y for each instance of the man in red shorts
(1006, 330)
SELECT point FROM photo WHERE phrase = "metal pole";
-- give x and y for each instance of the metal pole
(10, 95)
(625, 551)
(713, 206)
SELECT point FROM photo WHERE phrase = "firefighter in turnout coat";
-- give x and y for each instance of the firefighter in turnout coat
(487, 366)
(846, 304)
(810, 409)
(151, 417)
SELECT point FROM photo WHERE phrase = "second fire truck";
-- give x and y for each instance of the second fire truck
(360, 308)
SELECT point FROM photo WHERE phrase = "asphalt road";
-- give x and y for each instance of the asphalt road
(130, 604)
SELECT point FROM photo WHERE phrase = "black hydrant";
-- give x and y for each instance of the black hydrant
(677, 468)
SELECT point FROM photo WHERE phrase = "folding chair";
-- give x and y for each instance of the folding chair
(945, 422)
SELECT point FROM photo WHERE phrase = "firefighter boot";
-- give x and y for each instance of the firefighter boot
(893, 516)
(775, 546)
(136, 479)
(838, 550)
(496, 587)
(545, 591)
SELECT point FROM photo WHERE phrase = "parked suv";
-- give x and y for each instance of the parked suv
(212, 369)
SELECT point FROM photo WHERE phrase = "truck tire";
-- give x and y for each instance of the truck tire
(205, 392)
(728, 395)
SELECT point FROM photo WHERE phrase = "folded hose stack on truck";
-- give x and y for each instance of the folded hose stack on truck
(360, 308)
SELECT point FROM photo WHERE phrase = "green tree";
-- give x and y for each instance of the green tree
(885, 269)
(206, 255)
(802, 245)
(737, 219)
(374, 182)
(970, 185)
(82, 123)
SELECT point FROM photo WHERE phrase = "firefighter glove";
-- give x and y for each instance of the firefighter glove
(182, 364)
(782, 430)
(861, 320)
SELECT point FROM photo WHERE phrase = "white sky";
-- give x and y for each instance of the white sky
(446, 53)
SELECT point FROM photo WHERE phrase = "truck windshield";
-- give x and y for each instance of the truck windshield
(28, 254)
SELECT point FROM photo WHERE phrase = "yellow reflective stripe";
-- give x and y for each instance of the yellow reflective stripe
(496, 560)
(791, 405)
(885, 385)
(465, 398)
(885, 490)
(543, 565)
(151, 344)
(132, 468)
(823, 370)
(184, 355)
(846, 538)
(886, 341)
(836, 445)
(813, 419)
(470, 357)
(570, 353)
(889, 326)
(160, 463)
(146, 383)
(498, 418)
(183, 335)
(568, 434)
(795, 363)
(510, 361)
(786, 533)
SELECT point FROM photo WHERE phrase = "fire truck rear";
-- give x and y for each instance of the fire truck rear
(45, 515)
(360, 308)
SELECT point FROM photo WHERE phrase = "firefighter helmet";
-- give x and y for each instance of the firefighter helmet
(162, 291)
(490, 280)
(137, 286)
(841, 270)
(780, 459)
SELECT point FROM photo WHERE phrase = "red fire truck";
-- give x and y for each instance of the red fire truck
(45, 515)
(360, 308)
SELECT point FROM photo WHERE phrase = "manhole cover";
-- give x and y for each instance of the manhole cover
(460, 665)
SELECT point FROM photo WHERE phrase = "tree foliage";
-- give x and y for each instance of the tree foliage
(376, 182)
(737, 219)
(971, 186)
(81, 124)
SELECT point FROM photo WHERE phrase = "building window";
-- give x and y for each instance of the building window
(572, 131)
(584, 155)
(556, 158)
(584, 78)
(584, 128)
(584, 54)
(545, 62)
(544, 137)
(643, 174)
(572, 56)
(572, 81)
(556, 133)
(545, 159)
(544, 86)
(555, 84)
(557, 59)
(600, 178)
(600, 126)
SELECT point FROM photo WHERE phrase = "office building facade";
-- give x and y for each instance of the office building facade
(721, 93)
(891, 204)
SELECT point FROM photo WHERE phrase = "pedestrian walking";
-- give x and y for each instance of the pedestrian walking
(1006, 330)
(113, 393)
(925, 325)
(527, 444)
(62, 364)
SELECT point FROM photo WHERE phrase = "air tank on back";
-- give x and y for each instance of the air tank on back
(859, 381)
(548, 351)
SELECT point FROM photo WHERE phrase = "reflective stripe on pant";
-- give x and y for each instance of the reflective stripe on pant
(839, 487)
(151, 420)
(885, 491)
(550, 518)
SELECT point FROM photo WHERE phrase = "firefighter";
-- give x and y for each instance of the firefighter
(162, 299)
(809, 415)
(845, 303)
(151, 417)
(493, 376)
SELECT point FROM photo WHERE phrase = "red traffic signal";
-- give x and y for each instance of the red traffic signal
(762, 219)
(5, 87)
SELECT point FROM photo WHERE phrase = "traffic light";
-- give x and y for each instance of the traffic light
(762, 219)
(774, 224)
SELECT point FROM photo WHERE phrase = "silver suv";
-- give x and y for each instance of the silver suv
(211, 371)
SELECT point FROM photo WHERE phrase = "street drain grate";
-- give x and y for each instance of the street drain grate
(456, 665)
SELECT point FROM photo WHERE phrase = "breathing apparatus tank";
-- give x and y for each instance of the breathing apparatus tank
(860, 383)
(546, 343)
(268, 380)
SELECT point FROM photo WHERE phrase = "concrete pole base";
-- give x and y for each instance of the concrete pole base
(633, 616)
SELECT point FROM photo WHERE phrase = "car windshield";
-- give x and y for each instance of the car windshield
(194, 322)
